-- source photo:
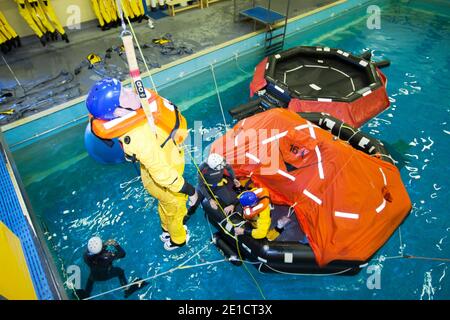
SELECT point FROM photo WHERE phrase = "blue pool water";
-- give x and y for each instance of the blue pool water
(76, 198)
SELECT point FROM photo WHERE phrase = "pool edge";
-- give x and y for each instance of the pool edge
(167, 66)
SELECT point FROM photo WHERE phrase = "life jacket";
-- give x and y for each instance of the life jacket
(263, 203)
(165, 114)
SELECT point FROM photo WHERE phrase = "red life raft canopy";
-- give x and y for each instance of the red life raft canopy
(347, 202)
(322, 79)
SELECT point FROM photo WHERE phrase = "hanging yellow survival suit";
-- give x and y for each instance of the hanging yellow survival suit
(133, 9)
(26, 11)
(41, 18)
(6, 29)
(51, 15)
(106, 12)
(8, 37)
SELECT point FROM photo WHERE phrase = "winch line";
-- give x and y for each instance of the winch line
(236, 55)
(218, 96)
(412, 257)
(142, 55)
(137, 42)
(13, 74)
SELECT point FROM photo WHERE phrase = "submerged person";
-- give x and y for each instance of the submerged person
(99, 257)
(214, 185)
(161, 157)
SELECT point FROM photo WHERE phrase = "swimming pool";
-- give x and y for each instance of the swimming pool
(76, 197)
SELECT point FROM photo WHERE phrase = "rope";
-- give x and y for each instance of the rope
(306, 274)
(412, 257)
(426, 258)
(138, 45)
(218, 96)
(291, 210)
(13, 74)
(152, 277)
(236, 55)
(401, 240)
(122, 21)
(204, 264)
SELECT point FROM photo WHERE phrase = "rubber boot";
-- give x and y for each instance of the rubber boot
(10, 44)
(4, 48)
(42, 40)
(17, 41)
(65, 38)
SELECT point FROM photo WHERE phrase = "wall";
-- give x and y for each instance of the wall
(9, 9)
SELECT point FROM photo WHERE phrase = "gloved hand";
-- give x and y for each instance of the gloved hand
(193, 199)
(213, 204)
(237, 183)
(110, 243)
(239, 231)
(228, 209)
(282, 222)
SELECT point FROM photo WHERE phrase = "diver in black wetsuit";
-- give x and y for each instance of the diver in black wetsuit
(99, 257)
(213, 177)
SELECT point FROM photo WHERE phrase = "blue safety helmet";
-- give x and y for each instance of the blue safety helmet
(248, 199)
(103, 98)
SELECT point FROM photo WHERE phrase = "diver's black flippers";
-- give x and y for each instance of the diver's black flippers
(135, 287)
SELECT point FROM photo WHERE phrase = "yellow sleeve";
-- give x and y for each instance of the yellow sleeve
(262, 224)
(142, 143)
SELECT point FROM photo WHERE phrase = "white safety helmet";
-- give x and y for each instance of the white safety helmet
(215, 161)
(95, 245)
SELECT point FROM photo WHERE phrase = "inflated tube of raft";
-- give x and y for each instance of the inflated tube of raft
(250, 108)
(383, 64)
(356, 138)
(227, 250)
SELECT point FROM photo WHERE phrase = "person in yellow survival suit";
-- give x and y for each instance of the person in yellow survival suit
(161, 159)
(256, 209)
